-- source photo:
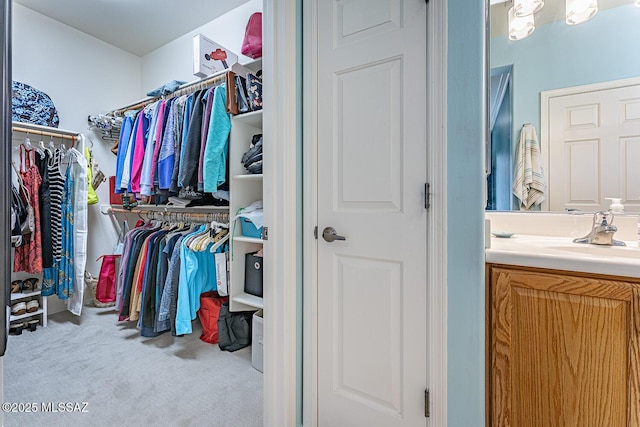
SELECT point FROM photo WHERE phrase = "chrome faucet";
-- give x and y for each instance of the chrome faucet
(602, 231)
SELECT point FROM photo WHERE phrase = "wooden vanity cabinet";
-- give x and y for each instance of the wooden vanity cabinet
(563, 349)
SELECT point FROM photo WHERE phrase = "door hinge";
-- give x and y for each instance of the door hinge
(315, 232)
(427, 195)
(265, 233)
(427, 409)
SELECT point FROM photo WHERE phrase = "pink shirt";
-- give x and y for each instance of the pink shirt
(138, 157)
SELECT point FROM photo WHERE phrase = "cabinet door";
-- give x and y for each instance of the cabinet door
(565, 350)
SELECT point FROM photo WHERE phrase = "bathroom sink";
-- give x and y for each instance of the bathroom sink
(562, 254)
(601, 251)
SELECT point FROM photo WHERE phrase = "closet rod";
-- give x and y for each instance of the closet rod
(199, 217)
(44, 131)
(182, 90)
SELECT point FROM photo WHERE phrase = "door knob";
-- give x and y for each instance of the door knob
(329, 234)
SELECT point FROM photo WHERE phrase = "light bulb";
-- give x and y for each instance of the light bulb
(527, 7)
(520, 27)
(579, 11)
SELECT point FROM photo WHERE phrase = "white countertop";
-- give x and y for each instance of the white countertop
(562, 254)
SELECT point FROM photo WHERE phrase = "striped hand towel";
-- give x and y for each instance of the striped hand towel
(528, 180)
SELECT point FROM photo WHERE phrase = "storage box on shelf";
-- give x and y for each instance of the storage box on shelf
(249, 229)
(253, 274)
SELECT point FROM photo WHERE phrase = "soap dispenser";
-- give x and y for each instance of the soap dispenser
(616, 207)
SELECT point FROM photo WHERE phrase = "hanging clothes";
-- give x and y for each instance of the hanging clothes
(185, 131)
(79, 203)
(172, 259)
(181, 112)
(56, 184)
(164, 270)
(125, 147)
(188, 177)
(197, 276)
(28, 256)
(157, 114)
(66, 277)
(50, 276)
(66, 271)
(131, 266)
(42, 161)
(217, 146)
(123, 144)
(177, 147)
(92, 197)
(166, 155)
(206, 122)
(155, 184)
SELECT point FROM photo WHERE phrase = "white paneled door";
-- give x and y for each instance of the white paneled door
(371, 121)
(594, 147)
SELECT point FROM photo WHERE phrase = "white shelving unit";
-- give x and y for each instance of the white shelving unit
(41, 313)
(20, 131)
(245, 189)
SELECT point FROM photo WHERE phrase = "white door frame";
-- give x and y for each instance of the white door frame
(280, 201)
(437, 245)
(545, 100)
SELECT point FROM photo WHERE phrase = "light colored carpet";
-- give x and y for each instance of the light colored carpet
(128, 380)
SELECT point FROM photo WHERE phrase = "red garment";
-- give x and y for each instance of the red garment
(28, 256)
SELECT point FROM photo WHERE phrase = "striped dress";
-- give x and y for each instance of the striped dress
(56, 183)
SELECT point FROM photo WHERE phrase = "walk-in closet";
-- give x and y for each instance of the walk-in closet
(139, 237)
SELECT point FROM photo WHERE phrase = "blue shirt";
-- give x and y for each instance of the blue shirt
(214, 167)
(123, 144)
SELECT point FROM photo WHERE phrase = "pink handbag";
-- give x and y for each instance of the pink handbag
(252, 43)
(106, 287)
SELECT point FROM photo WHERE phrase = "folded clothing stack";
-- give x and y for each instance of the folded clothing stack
(252, 159)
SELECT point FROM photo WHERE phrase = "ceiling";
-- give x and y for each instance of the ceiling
(137, 26)
(552, 11)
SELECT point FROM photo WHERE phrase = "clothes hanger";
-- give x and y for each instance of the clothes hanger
(41, 148)
(217, 231)
(195, 243)
(201, 228)
(220, 243)
(27, 143)
(200, 242)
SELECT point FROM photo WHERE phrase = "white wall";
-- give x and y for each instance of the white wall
(173, 61)
(83, 76)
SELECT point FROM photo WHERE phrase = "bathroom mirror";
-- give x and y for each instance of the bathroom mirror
(554, 57)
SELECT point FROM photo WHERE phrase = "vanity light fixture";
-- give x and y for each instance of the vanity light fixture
(579, 11)
(520, 27)
(527, 7)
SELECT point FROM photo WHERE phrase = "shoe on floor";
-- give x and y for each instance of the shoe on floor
(33, 305)
(19, 308)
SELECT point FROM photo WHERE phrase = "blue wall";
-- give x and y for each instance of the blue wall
(558, 55)
(465, 207)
